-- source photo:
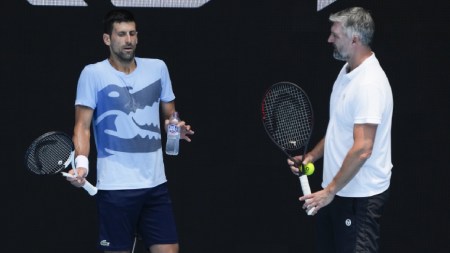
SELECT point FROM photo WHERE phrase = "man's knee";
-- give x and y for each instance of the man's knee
(164, 248)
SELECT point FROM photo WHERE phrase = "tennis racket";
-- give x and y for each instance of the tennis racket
(287, 116)
(51, 153)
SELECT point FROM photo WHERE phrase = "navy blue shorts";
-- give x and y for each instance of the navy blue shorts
(350, 225)
(123, 213)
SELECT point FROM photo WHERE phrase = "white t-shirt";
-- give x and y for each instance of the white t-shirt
(126, 121)
(361, 96)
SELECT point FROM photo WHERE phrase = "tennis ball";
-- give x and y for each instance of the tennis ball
(309, 169)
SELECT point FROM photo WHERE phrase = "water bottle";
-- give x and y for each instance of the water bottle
(173, 135)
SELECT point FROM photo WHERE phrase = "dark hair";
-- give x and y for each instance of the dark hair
(116, 16)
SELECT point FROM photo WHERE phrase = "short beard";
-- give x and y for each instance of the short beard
(125, 57)
(338, 56)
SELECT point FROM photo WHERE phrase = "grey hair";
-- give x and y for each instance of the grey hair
(356, 21)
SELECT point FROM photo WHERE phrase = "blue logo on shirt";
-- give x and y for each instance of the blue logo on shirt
(123, 121)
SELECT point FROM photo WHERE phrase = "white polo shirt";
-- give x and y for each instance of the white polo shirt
(362, 96)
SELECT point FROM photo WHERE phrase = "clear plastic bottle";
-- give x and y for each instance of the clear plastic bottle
(173, 135)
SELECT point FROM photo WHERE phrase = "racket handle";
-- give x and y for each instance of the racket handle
(306, 190)
(92, 190)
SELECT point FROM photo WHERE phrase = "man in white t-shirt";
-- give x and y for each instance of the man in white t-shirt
(357, 145)
(121, 98)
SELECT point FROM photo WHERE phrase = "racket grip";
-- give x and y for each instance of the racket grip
(92, 190)
(306, 190)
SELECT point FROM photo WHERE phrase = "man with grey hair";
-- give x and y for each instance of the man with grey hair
(357, 145)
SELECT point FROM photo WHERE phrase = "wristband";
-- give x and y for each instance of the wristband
(82, 161)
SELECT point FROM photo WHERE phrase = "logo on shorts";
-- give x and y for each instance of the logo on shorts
(348, 222)
(104, 243)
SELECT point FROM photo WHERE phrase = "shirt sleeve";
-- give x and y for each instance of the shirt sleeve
(86, 89)
(167, 94)
(369, 104)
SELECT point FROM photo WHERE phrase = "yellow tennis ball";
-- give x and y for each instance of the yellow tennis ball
(309, 169)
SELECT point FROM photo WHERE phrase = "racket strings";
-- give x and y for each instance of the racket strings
(47, 155)
(287, 115)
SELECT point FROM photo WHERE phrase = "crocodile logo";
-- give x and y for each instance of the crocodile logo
(118, 121)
